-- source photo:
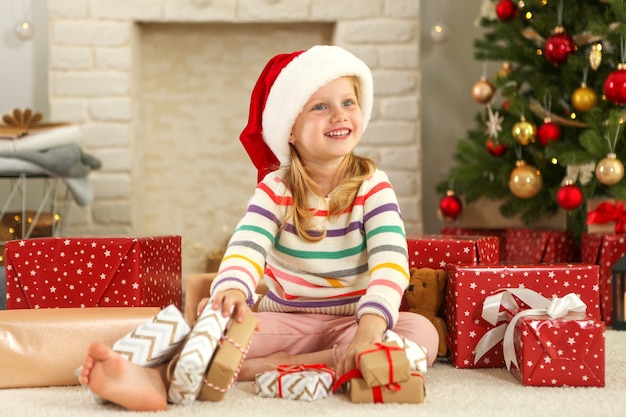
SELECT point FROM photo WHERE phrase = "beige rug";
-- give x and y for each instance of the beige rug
(450, 392)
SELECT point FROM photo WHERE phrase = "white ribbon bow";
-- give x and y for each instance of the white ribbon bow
(539, 305)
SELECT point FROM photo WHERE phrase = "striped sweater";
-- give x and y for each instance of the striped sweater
(361, 266)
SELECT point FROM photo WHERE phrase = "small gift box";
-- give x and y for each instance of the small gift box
(227, 361)
(416, 354)
(382, 363)
(307, 382)
(191, 365)
(155, 340)
(565, 351)
(40, 348)
(93, 272)
(412, 391)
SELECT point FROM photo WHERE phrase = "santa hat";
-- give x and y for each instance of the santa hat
(285, 85)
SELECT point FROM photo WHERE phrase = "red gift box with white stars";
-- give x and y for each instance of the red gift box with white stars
(93, 272)
(436, 251)
(604, 250)
(567, 351)
(540, 245)
(469, 285)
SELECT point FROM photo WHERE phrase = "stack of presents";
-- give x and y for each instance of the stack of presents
(532, 301)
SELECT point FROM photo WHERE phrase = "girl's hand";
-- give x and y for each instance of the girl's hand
(370, 330)
(225, 301)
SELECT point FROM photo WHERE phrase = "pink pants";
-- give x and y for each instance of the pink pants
(308, 332)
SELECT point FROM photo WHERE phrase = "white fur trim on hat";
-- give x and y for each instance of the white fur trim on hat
(297, 82)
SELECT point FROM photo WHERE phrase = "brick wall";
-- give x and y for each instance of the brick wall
(96, 78)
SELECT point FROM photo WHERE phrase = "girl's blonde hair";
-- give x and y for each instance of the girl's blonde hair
(354, 170)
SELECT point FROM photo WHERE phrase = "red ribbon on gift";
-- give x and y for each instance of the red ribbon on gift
(607, 212)
(291, 369)
(387, 349)
(377, 392)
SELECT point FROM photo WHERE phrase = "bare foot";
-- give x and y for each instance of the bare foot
(115, 379)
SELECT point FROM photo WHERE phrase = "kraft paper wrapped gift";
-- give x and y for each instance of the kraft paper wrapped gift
(469, 285)
(93, 272)
(411, 391)
(226, 363)
(306, 382)
(190, 367)
(40, 348)
(382, 363)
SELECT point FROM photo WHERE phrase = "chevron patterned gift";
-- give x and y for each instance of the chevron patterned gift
(415, 352)
(188, 375)
(155, 340)
(296, 382)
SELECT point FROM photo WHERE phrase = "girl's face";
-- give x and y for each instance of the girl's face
(330, 124)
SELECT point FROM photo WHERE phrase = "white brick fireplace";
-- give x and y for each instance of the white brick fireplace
(161, 90)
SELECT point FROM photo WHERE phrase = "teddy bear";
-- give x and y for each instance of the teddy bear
(425, 296)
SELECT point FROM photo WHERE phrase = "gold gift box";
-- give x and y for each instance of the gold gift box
(383, 363)
(227, 360)
(411, 391)
(40, 348)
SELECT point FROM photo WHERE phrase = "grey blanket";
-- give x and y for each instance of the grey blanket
(64, 161)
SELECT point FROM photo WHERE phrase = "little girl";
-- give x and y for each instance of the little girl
(323, 230)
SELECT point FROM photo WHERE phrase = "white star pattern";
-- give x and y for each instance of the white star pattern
(72, 265)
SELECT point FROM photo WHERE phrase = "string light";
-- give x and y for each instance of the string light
(24, 29)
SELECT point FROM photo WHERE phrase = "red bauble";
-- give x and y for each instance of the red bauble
(559, 46)
(495, 148)
(450, 207)
(569, 197)
(506, 10)
(547, 132)
(615, 85)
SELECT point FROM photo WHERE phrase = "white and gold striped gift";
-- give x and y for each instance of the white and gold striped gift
(190, 368)
(156, 340)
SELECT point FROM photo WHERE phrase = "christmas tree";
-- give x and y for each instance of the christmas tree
(549, 131)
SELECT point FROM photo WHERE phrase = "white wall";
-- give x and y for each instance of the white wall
(23, 63)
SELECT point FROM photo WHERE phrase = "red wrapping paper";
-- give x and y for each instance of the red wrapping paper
(469, 285)
(605, 251)
(436, 251)
(462, 231)
(568, 351)
(94, 272)
(534, 246)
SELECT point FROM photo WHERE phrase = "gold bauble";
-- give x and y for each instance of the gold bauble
(505, 70)
(483, 91)
(584, 98)
(525, 180)
(610, 170)
(524, 132)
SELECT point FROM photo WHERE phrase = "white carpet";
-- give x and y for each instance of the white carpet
(449, 392)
